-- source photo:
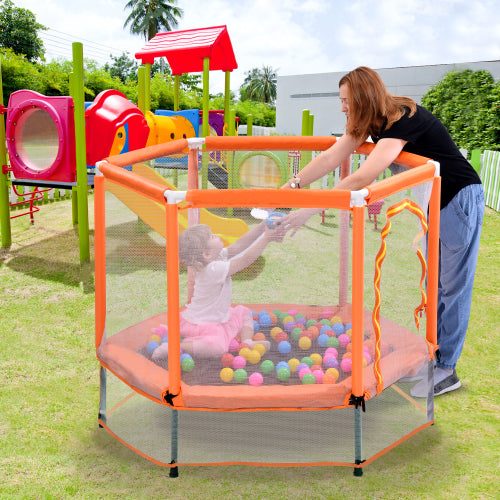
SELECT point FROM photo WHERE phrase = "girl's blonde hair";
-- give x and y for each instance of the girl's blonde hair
(193, 242)
(370, 105)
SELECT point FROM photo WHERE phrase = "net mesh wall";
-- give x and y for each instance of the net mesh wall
(300, 355)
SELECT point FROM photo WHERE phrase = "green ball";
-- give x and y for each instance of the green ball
(308, 378)
(332, 342)
(267, 366)
(325, 322)
(240, 375)
(187, 364)
(283, 374)
(310, 322)
(295, 333)
(300, 315)
(307, 360)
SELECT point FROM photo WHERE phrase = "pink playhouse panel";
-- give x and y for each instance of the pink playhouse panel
(185, 50)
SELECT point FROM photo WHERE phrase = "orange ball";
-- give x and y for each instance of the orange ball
(274, 318)
(314, 331)
(332, 371)
(259, 336)
(347, 355)
(329, 378)
(348, 347)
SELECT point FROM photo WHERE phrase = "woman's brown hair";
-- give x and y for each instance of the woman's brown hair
(370, 105)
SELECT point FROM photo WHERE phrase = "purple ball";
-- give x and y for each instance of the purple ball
(331, 363)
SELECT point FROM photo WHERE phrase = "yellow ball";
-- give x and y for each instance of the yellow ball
(317, 359)
(253, 357)
(260, 349)
(335, 320)
(155, 338)
(286, 319)
(348, 333)
(226, 374)
(275, 331)
(244, 352)
(333, 371)
(305, 343)
(293, 363)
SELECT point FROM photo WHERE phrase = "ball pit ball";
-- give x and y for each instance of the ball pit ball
(239, 362)
(347, 355)
(349, 333)
(334, 372)
(274, 318)
(256, 326)
(227, 360)
(255, 379)
(314, 332)
(289, 326)
(234, 345)
(307, 360)
(310, 322)
(305, 343)
(346, 365)
(300, 319)
(331, 363)
(295, 333)
(300, 367)
(284, 347)
(275, 331)
(151, 346)
(240, 375)
(267, 366)
(187, 364)
(259, 336)
(329, 378)
(226, 374)
(304, 371)
(185, 356)
(318, 375)
(254, 357)
(306, 333)
(164, 339)
(293, 364)
(282, 364)
(244, 351)
(316, 357)
(308, 379)
(333, 342)
(343, 340)
(324, 329)
(332, 351)
(155, 338)
(315, 367)
(293, 312)
(323, 339)
(325, 322)
(260, 349)
(160, 330)
(327, 313)
(287, 319)
(283, 374)
(338, 328)
(367, 356)
(335, 319)
(281, 336)
(265, 321)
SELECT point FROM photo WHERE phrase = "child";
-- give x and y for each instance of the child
(209, 322)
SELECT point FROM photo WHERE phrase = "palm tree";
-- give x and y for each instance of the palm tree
(261, 84)
(148, 17)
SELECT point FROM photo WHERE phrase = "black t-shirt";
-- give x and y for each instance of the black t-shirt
(428, 137)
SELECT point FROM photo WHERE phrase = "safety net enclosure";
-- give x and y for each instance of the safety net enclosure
(342, 311)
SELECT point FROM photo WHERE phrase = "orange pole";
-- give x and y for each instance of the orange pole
(344, 217)
(193, 213)
(433, 261)
(100, 258)
(358, 257)
(174, 341)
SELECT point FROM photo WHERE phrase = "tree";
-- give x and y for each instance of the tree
(148, 17)
(19, 31)
(467, 102)
(123, 67)
(260, 85)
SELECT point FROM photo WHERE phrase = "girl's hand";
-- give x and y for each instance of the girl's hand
(296, 218)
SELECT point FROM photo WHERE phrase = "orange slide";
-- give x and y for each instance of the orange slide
(153, 214)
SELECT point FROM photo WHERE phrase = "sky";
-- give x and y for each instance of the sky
(292, 36)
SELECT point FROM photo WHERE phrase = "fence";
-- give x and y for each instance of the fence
(490, 177)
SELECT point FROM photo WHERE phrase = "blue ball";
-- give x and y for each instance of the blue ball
(322, 340)
(265, 320)
(282, 364)
(325, 328)
(338, 328)
(151, 346)
(256, 326)
(284, 347)
(185, 356)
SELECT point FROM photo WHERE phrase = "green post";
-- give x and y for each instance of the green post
(307, 125)
(305, 122)
(147, 88)
(177, 81)
(204, 126)
(74, 192)
(4, 181)
(230, 157)
(141, 89)
(227, 99)
(475, 160)
(249, 125)
(81, 161)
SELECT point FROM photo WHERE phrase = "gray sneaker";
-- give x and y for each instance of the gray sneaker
(448, 384)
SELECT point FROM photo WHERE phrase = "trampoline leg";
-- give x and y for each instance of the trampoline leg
(358, 441)
(102, 398)
(174, 471)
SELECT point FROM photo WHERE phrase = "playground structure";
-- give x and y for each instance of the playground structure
(190, 411)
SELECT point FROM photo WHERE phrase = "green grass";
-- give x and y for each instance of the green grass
(52, 447)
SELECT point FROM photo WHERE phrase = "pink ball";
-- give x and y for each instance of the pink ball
(304, 371)
(234, 345)
(160, 330)
(344, 340)
(367, 356)
(293, 312)
(332, 351)
(239, 362)
(326, 314)
(346, 364)
(318, 375)
(255, 379)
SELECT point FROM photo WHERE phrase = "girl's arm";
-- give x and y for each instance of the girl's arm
(243, 242)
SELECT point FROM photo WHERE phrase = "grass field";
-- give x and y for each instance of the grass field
(52, 447)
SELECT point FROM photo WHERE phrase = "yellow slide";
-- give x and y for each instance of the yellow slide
(153, 213)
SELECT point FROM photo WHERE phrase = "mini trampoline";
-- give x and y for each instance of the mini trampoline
(333, 387)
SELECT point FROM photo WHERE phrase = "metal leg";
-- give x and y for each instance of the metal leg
(358, 441)
(102, 398)
(174, 471)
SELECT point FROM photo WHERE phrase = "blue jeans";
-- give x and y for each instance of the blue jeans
(460, 230)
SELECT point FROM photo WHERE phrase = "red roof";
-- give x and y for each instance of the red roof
(186, 49)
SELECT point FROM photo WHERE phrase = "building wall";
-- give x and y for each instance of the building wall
(319, 93)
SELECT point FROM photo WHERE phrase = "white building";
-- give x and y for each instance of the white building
(319, 93)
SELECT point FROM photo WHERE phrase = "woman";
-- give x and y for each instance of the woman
(398, 124)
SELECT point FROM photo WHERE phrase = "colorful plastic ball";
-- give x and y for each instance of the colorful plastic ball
(338, 328)
(293, 364)
(259, 336)
(289, 326)
(244, 352)
(347, 355)
(348, 333)
(343, 340)
(346, 365)
(307, 360)
(234, 345)
(287, 318)
(331, 363)
(185, 356)
(227, 359)
(315, 367)
(281, 336)
(313, 331)
(267, 366)
(308, 378)
(333, 371)
(256, 326)
(274, 318)
(300, 319)
(335, 319)
(367, 356)
(348, 326)
(325, 322)
(226, 374)
(239, 362)
(324, 329)
(283, 374)
(155, 338)
(275, 331)
(332, 351)
(295, 333)
(265, 321)
(282, 364)
(240, 375)
(329, 378)
(254, 357)
(303, 372)
(260, 349)
(187, 364)
(293, 312)
(317, 358)
(284, 347)
(164, 339)
(326, 313)
(160, 330)
(301, 366)
(323, 339)
(318, 375)
(305, 343)
(151, 346)
(306, 333)
(333, 342)
(255, 379)
(310, 322)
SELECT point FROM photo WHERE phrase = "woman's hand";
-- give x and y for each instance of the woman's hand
(297, 218)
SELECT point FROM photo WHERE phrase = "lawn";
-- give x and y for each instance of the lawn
(52, 447)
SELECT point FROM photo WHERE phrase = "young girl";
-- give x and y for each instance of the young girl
(209, 322)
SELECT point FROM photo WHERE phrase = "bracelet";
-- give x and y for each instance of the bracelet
(294, 182)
